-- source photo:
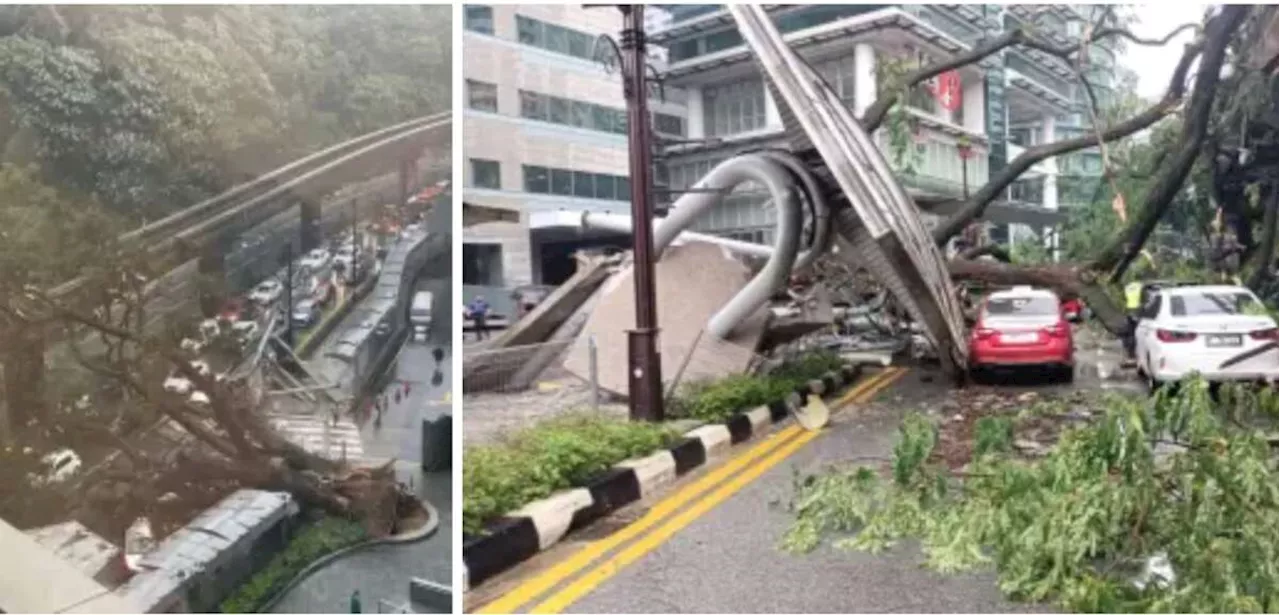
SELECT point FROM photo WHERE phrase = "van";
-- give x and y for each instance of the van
(420, 315)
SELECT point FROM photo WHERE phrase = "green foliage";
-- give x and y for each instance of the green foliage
(151, 108)
(992, 434)
(891, 76)
(556, 454)
(1029, 252)
(1179, 475)
(310, 544)
(718, 400)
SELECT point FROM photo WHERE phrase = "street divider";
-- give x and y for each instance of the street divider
(518, 536)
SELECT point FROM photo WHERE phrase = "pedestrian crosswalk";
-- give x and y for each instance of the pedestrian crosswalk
(317, 434)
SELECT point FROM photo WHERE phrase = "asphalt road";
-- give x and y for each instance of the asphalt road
(383, 573)
(727, 558)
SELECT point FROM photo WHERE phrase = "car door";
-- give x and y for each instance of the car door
(1145, 333)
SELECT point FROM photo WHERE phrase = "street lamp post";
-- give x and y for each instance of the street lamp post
(644, 364)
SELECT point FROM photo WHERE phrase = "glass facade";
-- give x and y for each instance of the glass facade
(566, 112)
(584, 184)
(549, 36)
(733, 108)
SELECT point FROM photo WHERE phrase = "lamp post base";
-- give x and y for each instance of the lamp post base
(645, 376)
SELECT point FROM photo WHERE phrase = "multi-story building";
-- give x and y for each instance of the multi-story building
(1012, 100)
(544, 129)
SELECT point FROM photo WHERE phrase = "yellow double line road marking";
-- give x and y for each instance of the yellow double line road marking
(770, 452)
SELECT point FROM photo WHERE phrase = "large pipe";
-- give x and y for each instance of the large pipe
(709, 192)
(622, 224)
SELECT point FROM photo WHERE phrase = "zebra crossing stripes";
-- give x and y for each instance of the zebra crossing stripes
(321, 437)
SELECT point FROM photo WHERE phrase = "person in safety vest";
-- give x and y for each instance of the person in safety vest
(1132, 304)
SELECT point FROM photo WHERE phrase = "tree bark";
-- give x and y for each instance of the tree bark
(1266, 252)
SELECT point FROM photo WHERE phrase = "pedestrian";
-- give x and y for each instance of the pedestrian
(437, 378)
(406, 388)
(479, 310)
(397, 397)
(438, 353)
(355, 602)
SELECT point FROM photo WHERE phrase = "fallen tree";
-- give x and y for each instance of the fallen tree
(1227, 37)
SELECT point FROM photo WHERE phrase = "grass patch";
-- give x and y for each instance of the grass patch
(315, 540)
(560, 453)
(716, 401)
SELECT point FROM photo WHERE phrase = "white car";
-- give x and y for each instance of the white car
(315, 260)
(1222, 332)
(346, 256)
(267, 293)
(177, 383)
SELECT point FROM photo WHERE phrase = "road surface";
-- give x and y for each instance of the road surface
(718, 549)
(383, 573)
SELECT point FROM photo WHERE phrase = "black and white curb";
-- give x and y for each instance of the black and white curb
(520, 535)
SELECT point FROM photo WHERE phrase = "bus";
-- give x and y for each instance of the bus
(420, 315)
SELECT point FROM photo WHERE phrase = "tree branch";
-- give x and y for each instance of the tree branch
(1120, 253)
(977, 204)
(876, 113)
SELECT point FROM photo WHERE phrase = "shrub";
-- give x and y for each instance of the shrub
(560, 453)
(314, 541)
(716, 401)
(808, 367)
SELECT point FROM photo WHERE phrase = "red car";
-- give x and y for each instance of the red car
(1022, 328)
(1073, 309)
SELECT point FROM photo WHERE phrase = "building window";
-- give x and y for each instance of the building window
(734, 108)
(566, 182)
(555, 38)
(665, 124)
(482, 96)
(481, 264)
(574, 113)
(478, 18)
(839, 74)
(486, 174)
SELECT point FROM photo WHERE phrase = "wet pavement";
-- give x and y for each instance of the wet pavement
(383, 573)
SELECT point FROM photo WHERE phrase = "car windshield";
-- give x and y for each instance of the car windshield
(1215, 303)
(1020, 307)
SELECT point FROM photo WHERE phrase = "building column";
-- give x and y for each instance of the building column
(693, 107)
(864, 77)
(772, 118)
(975, 107)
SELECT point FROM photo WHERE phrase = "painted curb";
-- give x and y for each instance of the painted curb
(429, 528)
(514, 538)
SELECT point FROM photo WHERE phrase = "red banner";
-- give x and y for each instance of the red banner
(947, 91)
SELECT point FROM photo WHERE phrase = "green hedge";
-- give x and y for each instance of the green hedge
(718, 400)
(314, 541)
(560, 453)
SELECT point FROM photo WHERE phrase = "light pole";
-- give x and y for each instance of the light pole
(644, 364)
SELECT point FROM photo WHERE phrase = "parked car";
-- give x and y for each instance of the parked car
(1222, 332)
(315, 259)
(306, 313)
(1022, 328)
(267, 293)
(1073, 309)
(346, 255)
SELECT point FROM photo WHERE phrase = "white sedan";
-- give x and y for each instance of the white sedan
(315, 259)
(267, 293)
(1222, 332)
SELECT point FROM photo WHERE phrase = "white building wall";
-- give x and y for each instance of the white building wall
(512, 141)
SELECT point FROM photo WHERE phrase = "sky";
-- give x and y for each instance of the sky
(1154, 65)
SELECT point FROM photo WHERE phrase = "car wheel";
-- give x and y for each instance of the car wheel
(1068, 374)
